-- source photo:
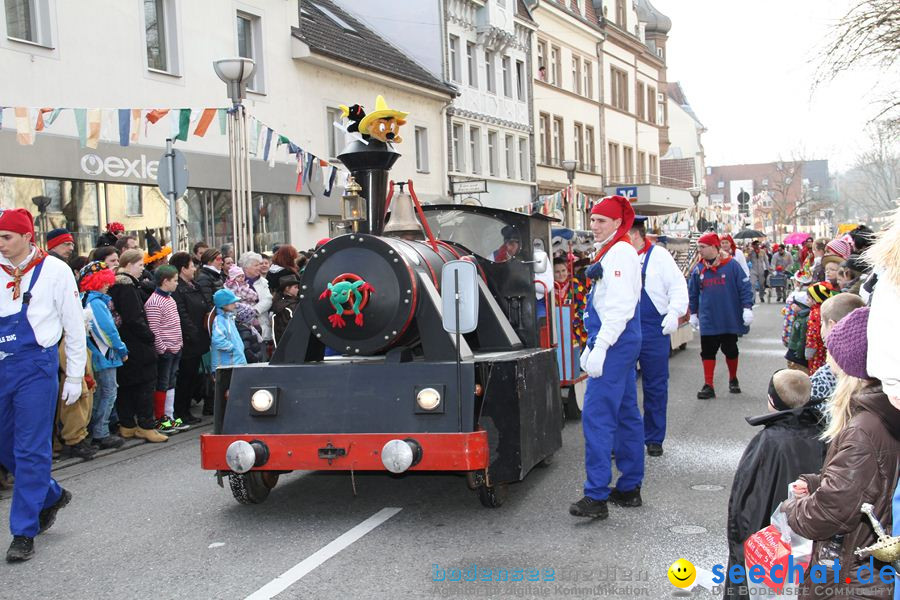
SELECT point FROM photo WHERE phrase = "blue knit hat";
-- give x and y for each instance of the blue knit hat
(224, 297)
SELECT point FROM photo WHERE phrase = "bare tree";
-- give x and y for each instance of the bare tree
(790, 197)
(868, 35)
(873, 184)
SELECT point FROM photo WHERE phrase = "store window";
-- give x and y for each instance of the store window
(210, 218)
(134, 206)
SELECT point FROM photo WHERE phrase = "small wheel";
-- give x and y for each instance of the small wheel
(683, 346)
(252, 487)
(570, 405)
(548, 460)
(492, 496)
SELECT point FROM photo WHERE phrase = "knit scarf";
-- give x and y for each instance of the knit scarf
(17, 273)
(719, 262)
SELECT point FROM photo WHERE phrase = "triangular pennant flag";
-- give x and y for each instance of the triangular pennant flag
(267, 146)
(81, 125)
(223, 121)
(184, 124)
(135, 124)
(205, 119)
(255, 128)
(94, 120)
(124, 126)
(331, 181)
(39, 126)
(156, 114)
(24, 133)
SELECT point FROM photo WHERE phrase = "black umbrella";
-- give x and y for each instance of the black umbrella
(747, 234)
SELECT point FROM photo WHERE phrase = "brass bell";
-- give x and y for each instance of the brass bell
(403, 221)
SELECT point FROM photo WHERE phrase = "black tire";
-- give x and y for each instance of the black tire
(493, 496)
(683, 346)
(570, 405)
(252, 487)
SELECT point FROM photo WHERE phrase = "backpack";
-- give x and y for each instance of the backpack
(797, 341)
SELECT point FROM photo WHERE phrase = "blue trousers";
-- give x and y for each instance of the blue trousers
(654, 359)
(611, 421)
(28, 394)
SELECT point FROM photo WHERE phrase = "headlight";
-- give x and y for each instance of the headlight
(399, 455)
(262, 400)
(428, 399)
(240, 456)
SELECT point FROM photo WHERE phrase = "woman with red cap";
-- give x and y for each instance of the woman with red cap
(729, 248)
(610, 417)
(721, 304)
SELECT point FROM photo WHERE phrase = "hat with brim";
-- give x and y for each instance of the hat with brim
(831, 258)
(152, 258)
(381, 112)
(224, 297)
(287, 281)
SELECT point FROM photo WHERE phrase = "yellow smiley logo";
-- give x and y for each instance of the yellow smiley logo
(682, 573)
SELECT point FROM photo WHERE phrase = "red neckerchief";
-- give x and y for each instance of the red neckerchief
(562, 291)
(17, 273)
(719, 262)
(646, 247)
(622, 237)
(501, 255)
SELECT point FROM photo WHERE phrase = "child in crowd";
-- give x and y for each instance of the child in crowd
(798, 311)
(834, 309)
(285, 303)
(247, 298)
(107, 350)
(815, 347)
(165, 323)
(788, 445)
(227, 349)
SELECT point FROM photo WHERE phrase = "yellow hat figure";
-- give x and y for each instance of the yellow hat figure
(383, 123)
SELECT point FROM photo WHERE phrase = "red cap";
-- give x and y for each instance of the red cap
(17, 220)
(729, 238)
(322, 242)
(616, 207)
(60, 238)
(710, 239)
(115, 227)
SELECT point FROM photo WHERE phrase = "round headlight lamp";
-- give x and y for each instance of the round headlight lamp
(428, 398)
(262, 400)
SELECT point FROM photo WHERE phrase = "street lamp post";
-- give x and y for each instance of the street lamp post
(236, 72)
(569, 166)
(695, 194)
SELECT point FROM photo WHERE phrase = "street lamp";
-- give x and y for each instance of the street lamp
(353, 206)
(695, 194)
(236, 72)
(569, 166)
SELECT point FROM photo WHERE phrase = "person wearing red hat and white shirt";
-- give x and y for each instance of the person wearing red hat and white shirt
(610, 417)
(664, 300)
(39, 302)
(732, 250)
(721, 303)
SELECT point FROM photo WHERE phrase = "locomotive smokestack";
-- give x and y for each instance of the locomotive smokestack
(370, 164)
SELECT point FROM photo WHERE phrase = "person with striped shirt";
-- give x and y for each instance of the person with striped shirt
(162, 315)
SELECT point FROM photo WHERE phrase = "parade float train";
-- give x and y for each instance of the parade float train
(387, 398)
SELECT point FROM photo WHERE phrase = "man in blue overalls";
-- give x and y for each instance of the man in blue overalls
(610, 417)
(664, 299)
(38, 301)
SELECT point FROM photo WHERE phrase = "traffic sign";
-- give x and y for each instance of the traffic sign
(176, 164)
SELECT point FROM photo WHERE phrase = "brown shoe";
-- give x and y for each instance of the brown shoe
(126, 432)
(151, 435)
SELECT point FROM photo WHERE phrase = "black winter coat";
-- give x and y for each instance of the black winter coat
(788, 447)
(107, 239)
(209, 283)
(192, 310)
(140, 368)
(283, 309)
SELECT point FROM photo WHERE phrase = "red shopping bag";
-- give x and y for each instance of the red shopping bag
(774, 546)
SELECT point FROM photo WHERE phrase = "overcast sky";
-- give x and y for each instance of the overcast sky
(747, 70)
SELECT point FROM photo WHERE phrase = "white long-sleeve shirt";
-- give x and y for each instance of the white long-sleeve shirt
(616, 295)
(883, 357)
(664, 282)
(742, 260)
(261, 285)
(55, 307)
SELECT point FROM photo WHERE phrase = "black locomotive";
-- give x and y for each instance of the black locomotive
(365, 378)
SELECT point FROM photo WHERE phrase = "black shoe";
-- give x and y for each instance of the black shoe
(110, 441)
(188, 419)
(207, 409)
(82, 450)
(630, 499)
(706, 392)
(588, 507)
(654, 450)
(48, 515)
(734, 387)
(21, 549)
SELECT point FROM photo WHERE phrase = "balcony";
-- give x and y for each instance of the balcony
(654, 194)
(556, 163)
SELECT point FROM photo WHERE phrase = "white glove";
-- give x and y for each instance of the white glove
(695, 322)
(584, 358)
(748, 317)
(71, 392)
(594, 366)
(670, 323)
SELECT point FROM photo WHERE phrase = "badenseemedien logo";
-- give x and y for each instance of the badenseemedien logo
(119, 166)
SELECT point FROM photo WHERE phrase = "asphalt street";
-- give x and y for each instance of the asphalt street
(146, 522)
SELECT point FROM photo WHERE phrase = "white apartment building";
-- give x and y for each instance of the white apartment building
(482, 48)
(158, 54)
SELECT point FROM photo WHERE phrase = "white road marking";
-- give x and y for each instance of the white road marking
(762, 352)
(301, 569)
(216, 545)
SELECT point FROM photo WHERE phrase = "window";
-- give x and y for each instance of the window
(555, 66)
(545, 138)
(614, 172)
(506, 73)
(510, 157)
(334, 136)
(472, 63)
(28, 21)
(588, 79)
(459, 153)
(654, 169)
(720, 184)
(421, 150)
(558, 148)
(642, 167)
(619, 89)
(492, 153)
(542, 60)
(651, 102)
(249, 41)
(639, 98)
(628, 162)
(134, 206)
(160, 35)
(661, 109)
(523, 159)
(576, 74)
(589, 149)
(520, 80)
(475, 149)
(489, 71)
(579, 149)
(53, 190)
(620, 14)
(454, 58)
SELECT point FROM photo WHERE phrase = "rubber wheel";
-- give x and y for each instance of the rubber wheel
(493, 496)
(683, 346)
(252, 487)
(570, 405)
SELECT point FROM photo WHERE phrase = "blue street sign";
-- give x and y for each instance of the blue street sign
(627, 191)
